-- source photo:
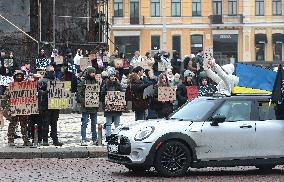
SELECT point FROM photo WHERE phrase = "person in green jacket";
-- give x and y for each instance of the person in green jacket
(87, 111)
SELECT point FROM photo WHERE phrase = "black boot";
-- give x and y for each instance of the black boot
(57, 143)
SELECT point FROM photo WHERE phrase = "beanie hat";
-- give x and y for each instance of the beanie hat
(104, 74)
(188, 73)
(111, 71)
(91, 70)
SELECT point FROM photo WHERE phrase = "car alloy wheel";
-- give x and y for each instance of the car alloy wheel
(173, 159)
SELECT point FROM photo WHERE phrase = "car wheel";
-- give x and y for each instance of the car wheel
(265, 167)
(136, 169)
(173, 159)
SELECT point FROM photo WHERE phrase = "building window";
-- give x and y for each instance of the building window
(277, 52)
(127, 44)
(259, 7)
(176, 44)
(196, 7)
(233, 7)
(118, 8)
(155, 42)
(155, 7)
(276, 7)
(196, 43)
(259, 51)
(217, 7)
(176, 7)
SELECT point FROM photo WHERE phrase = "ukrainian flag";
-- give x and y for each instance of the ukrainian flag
(254, 79)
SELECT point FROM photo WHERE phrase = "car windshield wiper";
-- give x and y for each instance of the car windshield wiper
(179, 119)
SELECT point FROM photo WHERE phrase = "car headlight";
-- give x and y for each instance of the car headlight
(144, 133)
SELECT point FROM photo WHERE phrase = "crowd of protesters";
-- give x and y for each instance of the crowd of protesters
(118, 74)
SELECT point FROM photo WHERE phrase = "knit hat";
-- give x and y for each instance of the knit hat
(104, 74)
(188, 73)
(91, 70)
(111, 71)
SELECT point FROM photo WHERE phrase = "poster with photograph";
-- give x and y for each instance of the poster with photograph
(166, 94)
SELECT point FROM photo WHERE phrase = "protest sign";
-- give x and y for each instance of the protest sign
(115, 101)
(148, 91)
(166, 94)
(23, 98)
(59, 94)
(92, 97)
(6, 80)
(85, 62)
(8, 63)
(105, 59)
(162, 66)
(192, 92)
(42, 63)
(58, 59)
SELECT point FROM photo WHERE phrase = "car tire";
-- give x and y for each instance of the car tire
(136, 169)
(266, 167)
(172, 159)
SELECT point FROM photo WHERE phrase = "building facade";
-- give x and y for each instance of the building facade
(238, 30)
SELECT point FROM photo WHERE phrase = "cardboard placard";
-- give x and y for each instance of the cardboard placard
(8, 63)
(23, 98)
(162, 66)
(58, 59)
(115, 101)
(166, 94)
(192, 92)
(59, 95)
(6, 80)
(85, 62)
(92, 96)
(42, 63)
(148, 91)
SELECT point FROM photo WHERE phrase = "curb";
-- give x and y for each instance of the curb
(56, 152)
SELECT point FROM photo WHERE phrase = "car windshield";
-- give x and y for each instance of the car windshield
(195, 110)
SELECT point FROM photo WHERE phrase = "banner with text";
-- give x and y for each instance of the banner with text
(166, 94)
(59, 95)
(42, 63)
(23, 98)
(92, 96)
(115, 101)
(6, 80)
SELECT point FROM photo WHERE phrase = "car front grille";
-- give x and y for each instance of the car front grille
(119, 159)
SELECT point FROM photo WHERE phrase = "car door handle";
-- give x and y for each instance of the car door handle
(246, 126)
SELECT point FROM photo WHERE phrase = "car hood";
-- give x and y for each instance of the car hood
(161, 124)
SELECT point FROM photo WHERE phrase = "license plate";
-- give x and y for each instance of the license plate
(112, 148)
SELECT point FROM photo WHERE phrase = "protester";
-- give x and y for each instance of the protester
(189, 80)
(176, 63)
(78, 56)
(136, 59)
(22, 119)
(163, 108)
(111, 84)
(87, 111)
(70, 70)
(199, 60)
(48, 116)
(206, 89)
(57, 66)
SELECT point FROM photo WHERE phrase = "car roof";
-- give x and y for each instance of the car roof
(241, 97)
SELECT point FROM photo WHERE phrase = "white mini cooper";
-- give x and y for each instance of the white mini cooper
(207, 132)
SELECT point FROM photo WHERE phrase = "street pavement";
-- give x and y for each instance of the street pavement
(69, 132)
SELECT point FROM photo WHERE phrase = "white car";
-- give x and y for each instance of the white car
(207, 132)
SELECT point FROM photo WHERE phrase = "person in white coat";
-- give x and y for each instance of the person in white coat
(223, 76)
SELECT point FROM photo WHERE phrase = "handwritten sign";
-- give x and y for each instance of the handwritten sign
(58, 59)
(166, 94)
(6, 80)
(23, 98)
(148, 91)
(85, 62)
(42, 63)
(59, 94)
(8, 63)
(115, 101)
(105, 59)
(162, 66)
(192, 92)
(92, 97)
(42, 73)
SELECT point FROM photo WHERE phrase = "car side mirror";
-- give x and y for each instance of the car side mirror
(218, 119)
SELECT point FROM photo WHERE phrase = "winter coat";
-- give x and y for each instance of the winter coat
(176, 65)
(182, 92)
(43, 93)
(81, 94)
(163, 109)
(110, 86)
(137, 90)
